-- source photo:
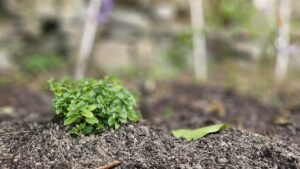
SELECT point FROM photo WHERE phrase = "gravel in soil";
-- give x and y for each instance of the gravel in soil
(33, 145)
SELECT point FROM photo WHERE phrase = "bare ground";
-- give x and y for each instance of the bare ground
(30, 139)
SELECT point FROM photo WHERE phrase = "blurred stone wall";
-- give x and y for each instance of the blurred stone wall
(136, 34)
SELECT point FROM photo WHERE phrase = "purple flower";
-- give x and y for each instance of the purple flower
(103, 14)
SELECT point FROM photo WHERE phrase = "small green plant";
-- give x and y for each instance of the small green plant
(41, 63)
(90, 105)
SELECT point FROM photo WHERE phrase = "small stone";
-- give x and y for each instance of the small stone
(171, 158)
(51, 162)
(222, 160)
(223, 144)
(67, 147)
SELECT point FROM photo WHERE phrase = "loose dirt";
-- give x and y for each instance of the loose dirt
(31, 139)
(175, 105)
(32, 145)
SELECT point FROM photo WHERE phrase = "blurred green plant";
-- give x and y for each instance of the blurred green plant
(179, 50)
(229, 12)
(41, 63)
(90, 105)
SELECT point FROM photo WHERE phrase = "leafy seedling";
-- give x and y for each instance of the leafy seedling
(190, 134)
(90, 105)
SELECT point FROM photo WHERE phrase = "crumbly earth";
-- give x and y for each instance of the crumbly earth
(29, 139)
(24, 104)
(176, 105)
(38, 145)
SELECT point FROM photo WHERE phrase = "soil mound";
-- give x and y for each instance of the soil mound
(176, 105)
(24, 103)
(38, 145)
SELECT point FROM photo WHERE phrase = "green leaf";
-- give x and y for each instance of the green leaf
(71, 119)
(87, 114)
(74, 132)
(133, 116)
(72, 113)
(198, 133)
(87, 130)
(92, 120)
(80, 126)
(123, 114)
(72, 107)
(92, 107)
(111, 121)
(99, 126)
(117, 125)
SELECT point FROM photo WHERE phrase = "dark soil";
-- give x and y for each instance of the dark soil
(29, 139)
(139, 146)
(24, 104)
(189, 106)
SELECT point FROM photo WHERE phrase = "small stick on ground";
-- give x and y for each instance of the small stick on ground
(111, 165)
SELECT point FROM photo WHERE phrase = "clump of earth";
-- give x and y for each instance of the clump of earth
(39, 141)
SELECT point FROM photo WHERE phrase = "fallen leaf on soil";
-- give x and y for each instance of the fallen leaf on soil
(190, 134)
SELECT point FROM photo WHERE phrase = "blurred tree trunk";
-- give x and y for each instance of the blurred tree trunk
(200, 54)
(283, 39)
(88, 38)
(268, 7)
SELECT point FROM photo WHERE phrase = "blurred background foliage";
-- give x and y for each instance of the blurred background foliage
(143, 40)
(41, 63)
(222, 13)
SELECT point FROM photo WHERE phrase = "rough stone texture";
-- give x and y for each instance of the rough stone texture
(32, 145)
(5, 63)
(112, 55)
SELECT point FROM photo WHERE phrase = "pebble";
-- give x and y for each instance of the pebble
(222, 160)
(131, 126)
(67, 147)
(223, 144)
(171, 157)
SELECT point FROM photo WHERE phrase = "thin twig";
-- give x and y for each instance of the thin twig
(19, 132)
(110, 165)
